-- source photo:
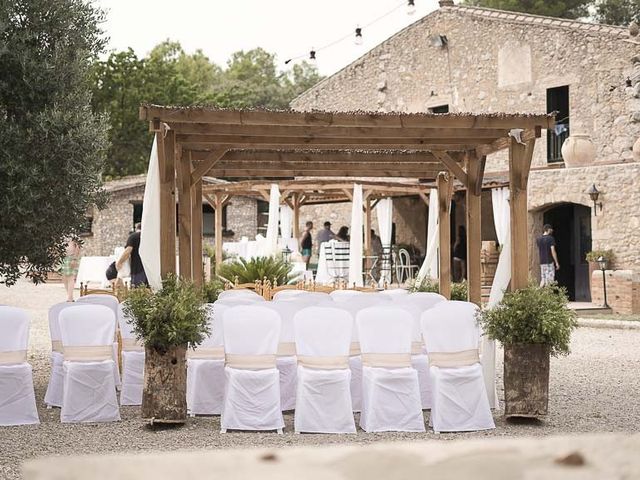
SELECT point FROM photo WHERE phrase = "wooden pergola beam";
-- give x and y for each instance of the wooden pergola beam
(165, 141)
(445, 189)
(503, 143)
(474, 231)
(374, 144)
(324, 155)
(298, 172)
(453, 167)
(207, 164)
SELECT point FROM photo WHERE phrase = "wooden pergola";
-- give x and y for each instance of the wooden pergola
(287, 145)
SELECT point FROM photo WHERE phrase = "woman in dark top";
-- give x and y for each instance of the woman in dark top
(343, 234)
(306, 243)
(460, 255)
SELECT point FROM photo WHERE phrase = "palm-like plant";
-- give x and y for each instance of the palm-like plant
(248, 271)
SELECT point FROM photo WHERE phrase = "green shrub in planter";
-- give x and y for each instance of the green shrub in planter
(593, 256)
(459, 291)
(248, 271)
(532, 324)
(166, 322)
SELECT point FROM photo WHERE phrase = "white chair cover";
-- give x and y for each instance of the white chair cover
(252, 396)
(459, 394)
(111, 302)
(89, 385)
(17, 396)
(240, 293)
(424, 300)
(393, 292)
(132, 363)
(323, 402)
(390, 393)
(345, 295)
(53, 395)
(286, 359)
(287, 294)
(205, 368)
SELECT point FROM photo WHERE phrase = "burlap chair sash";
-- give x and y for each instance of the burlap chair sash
(132, 345)
(386, 360)
(286, 349)
(13, 356)
(206, 353)
(56, 346)
(416, 348)
(463, 358)
(354, 349)
(250, 362)
(89, 353)
(336, 362)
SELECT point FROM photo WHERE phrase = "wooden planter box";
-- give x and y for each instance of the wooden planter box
(526, 380)
(164, 395)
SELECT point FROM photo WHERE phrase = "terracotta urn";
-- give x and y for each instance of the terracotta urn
(578, 150)
(636, 151)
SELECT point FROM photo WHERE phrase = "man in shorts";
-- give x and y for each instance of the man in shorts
(306, 243)
(548, 256)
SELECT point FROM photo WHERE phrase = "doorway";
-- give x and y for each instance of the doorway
(572, 230)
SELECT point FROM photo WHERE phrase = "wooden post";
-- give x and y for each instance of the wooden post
(165, 141)
(367, 226)
(474, 231)
(445, 187)
(196, 232)
(219, 205)
(519, 164)
(296, 216)
(184, 214)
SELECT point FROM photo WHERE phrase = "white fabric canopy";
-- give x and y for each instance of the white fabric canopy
(286, 222)
(384, 211)
(502, 221)
(271, 244)
(355, 244)
(150, 237)
(429, 267)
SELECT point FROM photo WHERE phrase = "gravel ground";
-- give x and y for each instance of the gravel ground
(595, 389)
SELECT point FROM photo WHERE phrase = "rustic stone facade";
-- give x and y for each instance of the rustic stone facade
(481, 60)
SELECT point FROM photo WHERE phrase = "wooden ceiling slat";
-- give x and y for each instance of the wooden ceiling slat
(259, 173)
(457, 147)
(320, 155)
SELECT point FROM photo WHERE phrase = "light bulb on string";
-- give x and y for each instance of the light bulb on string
(358, 38)
(312, 57)
(411, 7)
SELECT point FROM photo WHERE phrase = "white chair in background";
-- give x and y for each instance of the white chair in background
(53, 395)
(394, 292)
(17, 396)
(404, 268)
(132, 363)
(244, 293)
(323, 401)
(424, 300)
(235, 300)
(89, 385)
(345, 295)
(205, 368)
(288, 294)
(111, 302)
(252, 381)
(459, 395)
(390, 391)
(286, 357)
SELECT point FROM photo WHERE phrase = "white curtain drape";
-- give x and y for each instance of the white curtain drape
(355, 244)
(502, 221)
(429, 268)
(149, 249)
(271, 244)
(286, 222)
(384, 212)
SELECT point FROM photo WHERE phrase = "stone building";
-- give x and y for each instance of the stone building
(470, 59)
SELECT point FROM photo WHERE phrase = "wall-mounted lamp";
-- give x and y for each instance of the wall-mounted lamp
(594, 194)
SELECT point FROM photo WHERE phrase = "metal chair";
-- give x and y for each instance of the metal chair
(404, 268)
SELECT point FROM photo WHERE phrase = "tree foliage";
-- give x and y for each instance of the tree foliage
(169, 76)
(51, 143)
(618, 12)
(551, 8)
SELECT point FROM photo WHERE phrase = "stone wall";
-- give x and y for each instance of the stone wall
(623, 290)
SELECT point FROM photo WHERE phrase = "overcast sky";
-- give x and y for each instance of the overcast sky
(286, 27)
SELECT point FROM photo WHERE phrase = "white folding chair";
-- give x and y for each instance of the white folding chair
(252, 389)
(111, 302)
(205, 367)
(89, 385)
(53, 395)
(243, 293)
(390, 390)
(132, 363)
(323, 401)
(459, 395)
(17, 397)
(286, 357)
(404, 269)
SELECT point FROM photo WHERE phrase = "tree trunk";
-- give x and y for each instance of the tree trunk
(526, 380)
(164, 398)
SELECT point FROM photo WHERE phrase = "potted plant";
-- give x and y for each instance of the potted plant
(459, 290)
(248, 271)
(532, 324)
(592, 257)
(166, 322)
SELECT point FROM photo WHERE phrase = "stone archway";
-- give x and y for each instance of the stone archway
(572, 230)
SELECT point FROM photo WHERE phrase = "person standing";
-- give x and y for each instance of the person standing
(69, 267)
(548, 256)
(306, 243)
(131, 252)
(343, 234)
(460, 255)
(324, 235)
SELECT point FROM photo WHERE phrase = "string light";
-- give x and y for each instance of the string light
(411, 7)
(358, 39)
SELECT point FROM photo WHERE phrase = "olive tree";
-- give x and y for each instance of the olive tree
(52, 146)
